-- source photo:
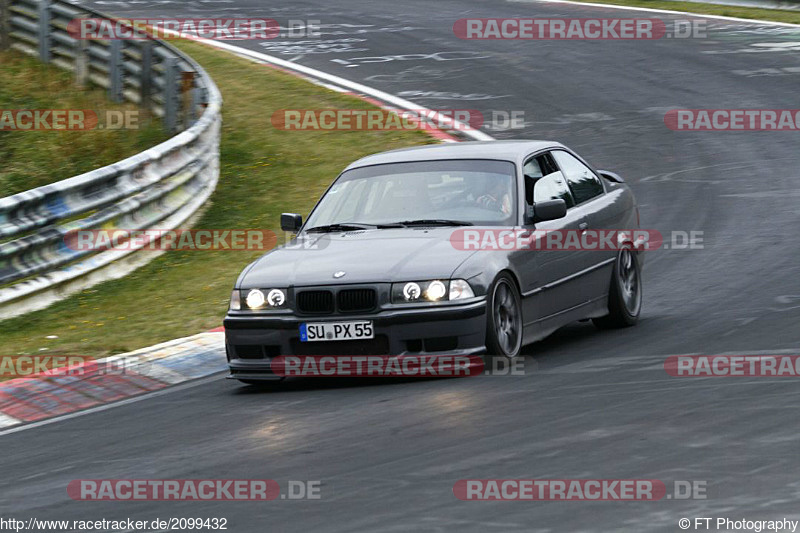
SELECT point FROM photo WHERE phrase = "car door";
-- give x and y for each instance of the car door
(591, 203)
(547, 288)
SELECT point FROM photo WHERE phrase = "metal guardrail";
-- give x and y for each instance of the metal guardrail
(158, 188)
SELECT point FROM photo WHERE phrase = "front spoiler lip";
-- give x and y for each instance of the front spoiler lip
(386, 317)
(263, 372)
(262, 369)
(266, 376)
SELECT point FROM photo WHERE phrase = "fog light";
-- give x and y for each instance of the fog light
(255, 299)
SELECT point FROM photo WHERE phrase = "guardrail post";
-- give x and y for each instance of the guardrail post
(44, 30)
(197, 101)
(145, 74)
(81, 60)
(115, 70)
(171, 93)
(200, 99)
(187, 100)
(5, 24)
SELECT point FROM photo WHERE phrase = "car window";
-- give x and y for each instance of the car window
(481, 192)
(550, 184)
(582, 181)
(532, 168)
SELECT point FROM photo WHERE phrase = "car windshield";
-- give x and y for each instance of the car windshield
(456, 192)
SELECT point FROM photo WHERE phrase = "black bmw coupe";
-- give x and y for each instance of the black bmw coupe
(460, 248)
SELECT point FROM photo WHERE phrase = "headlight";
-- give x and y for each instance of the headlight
(256, 299)
(236, 300)
(411, 292)
(431, 291)
(435, 291)
(276, 298)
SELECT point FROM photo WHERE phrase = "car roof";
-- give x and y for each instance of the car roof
(513, 151)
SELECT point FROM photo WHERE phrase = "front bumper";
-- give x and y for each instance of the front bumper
(252, 341)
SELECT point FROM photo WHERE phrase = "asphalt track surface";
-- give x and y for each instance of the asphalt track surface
(592, 404)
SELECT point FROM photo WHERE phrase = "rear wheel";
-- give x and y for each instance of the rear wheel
(504, 318)
(625, 293)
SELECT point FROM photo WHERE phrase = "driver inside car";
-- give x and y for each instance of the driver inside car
(496, 198)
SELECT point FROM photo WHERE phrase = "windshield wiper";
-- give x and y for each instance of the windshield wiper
(346, 226)
(435, 222)
(354, 226)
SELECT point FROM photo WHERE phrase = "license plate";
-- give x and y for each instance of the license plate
(336, 331)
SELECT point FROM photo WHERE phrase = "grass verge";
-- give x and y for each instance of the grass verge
(263, 171)
(755, 13)
(34, 157)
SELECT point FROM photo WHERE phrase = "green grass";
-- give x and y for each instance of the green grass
(264, 171)
(36, 157)
(755, 13)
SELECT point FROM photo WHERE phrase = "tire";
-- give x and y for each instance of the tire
(624, 294)
(503, 318)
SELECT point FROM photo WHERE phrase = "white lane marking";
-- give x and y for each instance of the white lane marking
(353, 86)
(654, 10)
(444, 95)
(127, 401)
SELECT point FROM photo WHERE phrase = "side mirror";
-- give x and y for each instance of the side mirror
(612, 176)
(291, 222)
(549, 210)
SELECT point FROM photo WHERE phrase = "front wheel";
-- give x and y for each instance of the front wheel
(625, 293)
(504, 318)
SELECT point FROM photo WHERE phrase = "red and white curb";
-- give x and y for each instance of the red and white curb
(24, 400)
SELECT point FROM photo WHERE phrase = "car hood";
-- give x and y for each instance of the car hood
(384, 255)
